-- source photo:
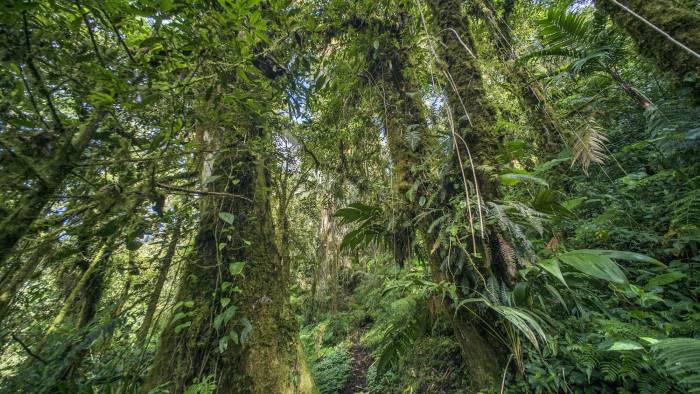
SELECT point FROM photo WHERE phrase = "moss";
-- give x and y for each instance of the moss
(268, 362)
(681, 23)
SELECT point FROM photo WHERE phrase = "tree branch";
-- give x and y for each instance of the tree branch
(200, 192)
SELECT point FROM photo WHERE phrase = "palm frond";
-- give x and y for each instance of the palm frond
(588, 146)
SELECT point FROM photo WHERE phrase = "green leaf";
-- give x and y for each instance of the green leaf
(514, 178)
(665, 279)
(211, 178)
(552, 266)
(625, 345)
(226, 217)
(225, 301)
(627, 256)
(223, 344)
(680, 357)
(247, 330)
(133, 245)
(179, 328)
(236, 268)
(594, 264)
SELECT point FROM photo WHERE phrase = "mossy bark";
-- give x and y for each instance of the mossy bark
(268, 361)
(476, 144)
(680, 22)
(404, 126)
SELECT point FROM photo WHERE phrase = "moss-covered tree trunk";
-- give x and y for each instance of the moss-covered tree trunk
(233, 328)
(476, 144)
(407, 143)
(680, 22)
(404, 126)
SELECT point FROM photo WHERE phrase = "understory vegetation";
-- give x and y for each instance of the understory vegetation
(323, 196)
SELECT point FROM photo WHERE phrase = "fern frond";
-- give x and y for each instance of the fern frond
(588, 146)
(681, 359)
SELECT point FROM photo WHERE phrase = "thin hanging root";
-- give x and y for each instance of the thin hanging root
(454, 137)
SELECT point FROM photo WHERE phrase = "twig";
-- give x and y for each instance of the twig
(200, 192)
(27, 349)
(90, 33)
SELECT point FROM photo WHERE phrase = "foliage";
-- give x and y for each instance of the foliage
(331, 372)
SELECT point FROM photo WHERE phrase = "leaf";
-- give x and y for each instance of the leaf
(681, 359)
(247, 330)
(236, 268)
(546, 166)
(211, 178)
(594, 264)
(226, 217)
(133, 245)
(515, 178)
(664, 279)
(624, 255)
(552, 266)
(223, 344)
(625, 345)
(180, 327)
(225, 301)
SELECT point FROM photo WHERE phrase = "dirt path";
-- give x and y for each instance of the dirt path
(361, 360)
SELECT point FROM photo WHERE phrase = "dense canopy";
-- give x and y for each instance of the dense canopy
(368, 196)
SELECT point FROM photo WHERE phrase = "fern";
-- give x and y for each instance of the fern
(680, 357)
(409, 321)
(588, 146)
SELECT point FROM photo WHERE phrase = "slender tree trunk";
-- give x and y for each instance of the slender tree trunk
(163, 270)
(405, 131)
(630, 90)
(94, 267)
(676, 20)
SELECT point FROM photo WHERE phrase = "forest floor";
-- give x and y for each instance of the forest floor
(361, 361)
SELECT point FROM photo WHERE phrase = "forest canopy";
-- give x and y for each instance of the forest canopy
(329, 196)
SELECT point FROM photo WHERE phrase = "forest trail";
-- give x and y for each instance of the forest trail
(361, 361)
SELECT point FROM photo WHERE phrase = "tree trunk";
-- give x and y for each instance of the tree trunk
(163, 270)
(269, 360)
(679, 22)
(474, 160)
(404, 126)
(93, 268)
